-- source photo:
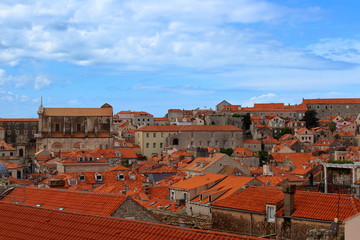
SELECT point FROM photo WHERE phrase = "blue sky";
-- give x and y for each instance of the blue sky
(154, 55)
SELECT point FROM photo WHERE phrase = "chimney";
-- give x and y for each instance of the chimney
(289, 199)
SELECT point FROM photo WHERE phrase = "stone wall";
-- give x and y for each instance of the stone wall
(133, 210)
(251, 224)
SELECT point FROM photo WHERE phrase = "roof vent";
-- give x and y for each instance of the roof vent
(38, 205)
(61, 208)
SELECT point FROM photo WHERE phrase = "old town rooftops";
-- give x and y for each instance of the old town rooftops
(70, 201)
(308, 205)
(22, 222)
(189, 128)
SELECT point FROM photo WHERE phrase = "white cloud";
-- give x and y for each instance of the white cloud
(265, 98)
(191, 34)
(183, 90)
(41, 82)
(338, 49)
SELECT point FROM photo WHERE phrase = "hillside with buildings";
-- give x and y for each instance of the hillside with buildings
(269, 171)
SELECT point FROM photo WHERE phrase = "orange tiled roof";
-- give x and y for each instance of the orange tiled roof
(142, 114)
(31, 223)
(251, 141)
(252, 199)
(244, 152)
(161, 119)
(10, 165)
(65, 112)
(19, 119)
(274, 107)
(324, 206)
(198, 180)
(231, 108)
(6, 147)
(332, 101)
(186, 128)
(76, 202)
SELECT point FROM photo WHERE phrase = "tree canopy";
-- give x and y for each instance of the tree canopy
(310, 119)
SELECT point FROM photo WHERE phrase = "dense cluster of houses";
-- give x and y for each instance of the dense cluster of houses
(267, 171)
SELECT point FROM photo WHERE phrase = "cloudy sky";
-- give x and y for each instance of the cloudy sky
(153, 55)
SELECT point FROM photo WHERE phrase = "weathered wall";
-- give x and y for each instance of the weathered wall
(132, 210)
(242, 223)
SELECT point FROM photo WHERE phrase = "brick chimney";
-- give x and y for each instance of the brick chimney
(289, 199)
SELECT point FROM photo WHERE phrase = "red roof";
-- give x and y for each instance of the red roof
(19, 120)
(324, 206)
(76, 202)
(252, 199)
(332, 101)
(311, 205)
(274, 107)
(186, 128)
(20, 222)
(199, 180)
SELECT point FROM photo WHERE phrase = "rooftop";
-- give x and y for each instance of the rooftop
(21, 222)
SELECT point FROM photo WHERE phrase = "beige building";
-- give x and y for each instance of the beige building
(68, 129)
(153, 139)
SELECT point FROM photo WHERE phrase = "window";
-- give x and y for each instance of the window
(17, 132)
(161, 145)
(98, 177)
(154, 145)
(78, 127)
(147, 135)
(57, 127)
(8, 132)
(154, 134)
(121, 177)
(82, 178)
(147, 145)
(270, 213)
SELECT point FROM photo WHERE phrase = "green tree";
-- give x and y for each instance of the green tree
(332, 126)
(246, 121)
(263, 156)
(227, 151)
(236, 115)
(283, 131)
(310, 119)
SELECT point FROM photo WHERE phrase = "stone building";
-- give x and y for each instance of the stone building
(20, 132)
(345, 107)
(68, 129)
(153, 139)
(135, 118)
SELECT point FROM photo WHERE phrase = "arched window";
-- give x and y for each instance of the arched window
(21, 152)
(57, 145)
(175, 141)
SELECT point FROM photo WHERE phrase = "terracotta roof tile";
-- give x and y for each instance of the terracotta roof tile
(198, 180)
(19, 119)
(332, 101)
(76, 202)
(64, 112)
(252, 199)
(30, 223)
(185, 128)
